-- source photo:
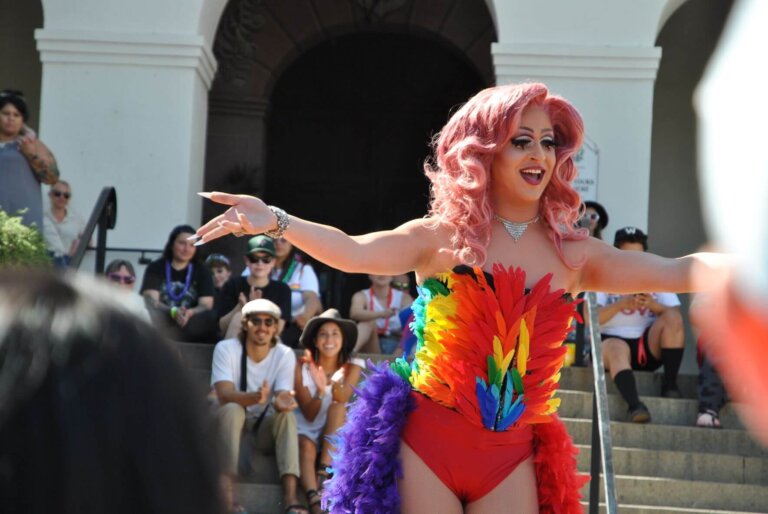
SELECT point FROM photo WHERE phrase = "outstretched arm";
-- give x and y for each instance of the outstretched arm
(410, 246)
(611, 270)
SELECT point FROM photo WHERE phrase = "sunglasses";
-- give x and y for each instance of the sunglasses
(59, 194)
(267, 322)
(266, 259)
(401, 286)
(123, 279)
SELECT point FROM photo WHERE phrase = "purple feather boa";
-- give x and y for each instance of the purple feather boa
(366, 464)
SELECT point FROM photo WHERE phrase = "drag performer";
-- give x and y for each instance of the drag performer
(470, 425)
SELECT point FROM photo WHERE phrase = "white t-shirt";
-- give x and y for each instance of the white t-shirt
(278, 368)
(631, 323)
(302, 279)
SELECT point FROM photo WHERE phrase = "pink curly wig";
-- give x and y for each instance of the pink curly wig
(461, 169)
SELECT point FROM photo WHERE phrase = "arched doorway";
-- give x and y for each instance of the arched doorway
(349, 129)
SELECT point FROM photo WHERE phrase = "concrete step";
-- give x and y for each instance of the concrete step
(670, 438)
(645, 509)
(665, 492)
(707, 467)
(664, 411)
(648, 383)
(659, 496)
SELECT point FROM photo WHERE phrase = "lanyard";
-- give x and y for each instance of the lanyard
(385, 329)
(289, 272)
(169, 285)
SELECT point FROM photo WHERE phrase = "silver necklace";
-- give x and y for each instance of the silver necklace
(516, 229)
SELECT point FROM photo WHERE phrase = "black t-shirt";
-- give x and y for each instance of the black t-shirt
(276, 292)
(200, 284)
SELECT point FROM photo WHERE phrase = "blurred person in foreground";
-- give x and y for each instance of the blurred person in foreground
(96, 413)
(730, 107)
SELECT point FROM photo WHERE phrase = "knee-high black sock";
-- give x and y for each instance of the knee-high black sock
(625, 383)
(671, 358)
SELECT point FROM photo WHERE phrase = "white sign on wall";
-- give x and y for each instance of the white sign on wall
(587, 161)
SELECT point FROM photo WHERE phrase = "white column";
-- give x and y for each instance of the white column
(612, 87)
(129, 110)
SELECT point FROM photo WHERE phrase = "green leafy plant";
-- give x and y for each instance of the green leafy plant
(21, 245)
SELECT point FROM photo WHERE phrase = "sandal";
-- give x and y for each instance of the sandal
(708, 419)
(314, 499)
(322, 475)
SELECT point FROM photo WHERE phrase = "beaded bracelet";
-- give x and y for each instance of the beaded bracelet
(282, 222)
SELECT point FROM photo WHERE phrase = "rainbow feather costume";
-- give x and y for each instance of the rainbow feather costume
(488, 349)
(493, 352)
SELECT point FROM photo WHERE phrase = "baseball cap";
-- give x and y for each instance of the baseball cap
(261, 306)
(630, 235)
(261, 243)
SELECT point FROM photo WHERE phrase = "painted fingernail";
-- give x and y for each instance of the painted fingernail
(193, 237)
(205, 194)
(199, 243)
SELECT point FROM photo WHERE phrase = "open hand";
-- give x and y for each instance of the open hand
(318, 376)
(285, 401)
(247, 215)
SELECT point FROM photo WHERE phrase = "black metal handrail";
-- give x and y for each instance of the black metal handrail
(602, 444)
(103, 217)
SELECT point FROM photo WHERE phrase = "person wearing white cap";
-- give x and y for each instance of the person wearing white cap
(253, 377)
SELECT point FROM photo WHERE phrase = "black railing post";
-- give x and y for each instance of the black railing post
(101, 244)
(580, 340)
(104, 215)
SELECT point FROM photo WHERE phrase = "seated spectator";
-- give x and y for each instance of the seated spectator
(595, 218)
(640, 332)
(62, 227)
(121, 273)
(25, 162)
(221, 271)
(711, 390)
(96, 412)
(379, 307)
(305, 290)
(323, 384)
(253, 375)
(259, 260)
(179, 290)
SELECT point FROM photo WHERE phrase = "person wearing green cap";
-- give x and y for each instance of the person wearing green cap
(237, 291)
